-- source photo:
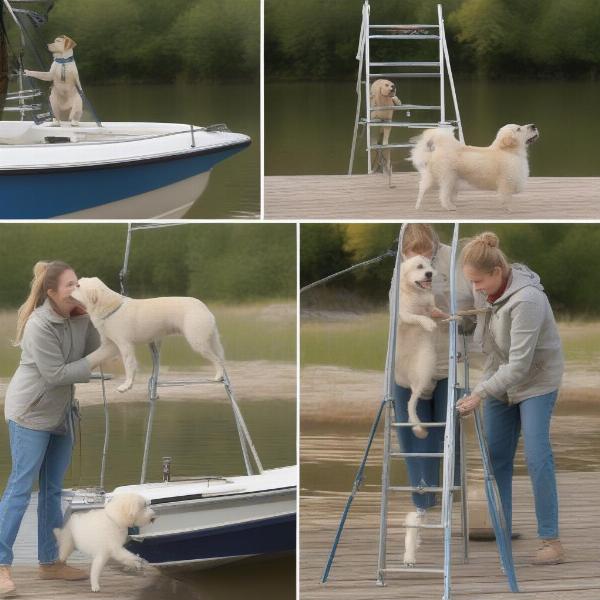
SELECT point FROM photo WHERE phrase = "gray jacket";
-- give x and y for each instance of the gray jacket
(520, 340)
(41, 392)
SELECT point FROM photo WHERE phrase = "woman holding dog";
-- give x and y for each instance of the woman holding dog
(55, 335)
(421, 240)
(520, 384)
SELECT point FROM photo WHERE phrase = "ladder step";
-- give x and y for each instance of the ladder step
(188, 382)
(407, 107)
(406, 124)
(421, 490)
(433, 74)
(403, 26)
(413, 36)
(437, 424)
(404, 64)
(390, 146)
(417, 454)
(413, 570)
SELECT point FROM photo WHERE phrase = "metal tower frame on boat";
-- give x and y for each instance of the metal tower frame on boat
(441, 69)
(448, 488)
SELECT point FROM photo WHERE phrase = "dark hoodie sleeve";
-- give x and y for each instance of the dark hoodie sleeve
(526, 321)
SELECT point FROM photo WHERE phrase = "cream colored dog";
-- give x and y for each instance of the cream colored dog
(123, 322)
(383, 93)
(444, 161)
(101, 533)
(415, 347)
(412, 539)
(65, 97)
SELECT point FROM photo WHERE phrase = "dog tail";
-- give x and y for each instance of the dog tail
(427, 142)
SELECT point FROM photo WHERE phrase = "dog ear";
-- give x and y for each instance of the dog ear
(93, 296)
(68, 43)
(509, 140)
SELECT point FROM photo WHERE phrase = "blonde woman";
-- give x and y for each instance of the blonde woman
(520, 384)
(421, 240)
(55, 335)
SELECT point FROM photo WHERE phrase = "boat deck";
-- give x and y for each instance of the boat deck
(361, 197)
(354, 570)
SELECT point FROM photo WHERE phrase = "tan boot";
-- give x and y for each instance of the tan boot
(60, 570)
(7, 585)
(550, 552)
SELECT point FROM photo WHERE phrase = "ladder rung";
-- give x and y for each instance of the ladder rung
(422, 490)
(407, 124)
(433, 74)
(406, 107)
(417, 454)
(391, 146)
(425, 526)
(403, 26)
(188, 382)
(23, 108)
(412, 570)
(404, 64)
(414, 36)
(438, 424)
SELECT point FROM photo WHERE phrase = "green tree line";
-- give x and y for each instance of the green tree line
(156, 41)
(317, 39)
(232, 263)
(564, 255)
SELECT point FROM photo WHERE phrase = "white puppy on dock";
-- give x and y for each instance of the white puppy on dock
(101, 533)
(65, 97)
(123, 322)
(444, 161)
(415, 347)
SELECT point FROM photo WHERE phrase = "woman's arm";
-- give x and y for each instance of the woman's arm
(526, 321)
(42, 344)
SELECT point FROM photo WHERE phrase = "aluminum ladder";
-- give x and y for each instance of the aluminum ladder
(448, 488)
(439, 69)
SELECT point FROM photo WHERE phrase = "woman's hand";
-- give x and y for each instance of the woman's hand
(468, 404)
(436, 313)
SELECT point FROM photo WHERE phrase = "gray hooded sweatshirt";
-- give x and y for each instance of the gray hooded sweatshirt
(41, 392)
(520, 340)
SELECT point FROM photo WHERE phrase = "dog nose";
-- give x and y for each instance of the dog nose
(428, 274)
(533, 126)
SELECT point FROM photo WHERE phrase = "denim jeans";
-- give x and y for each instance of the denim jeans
(503, 424)
(425, 471)
(35, 454)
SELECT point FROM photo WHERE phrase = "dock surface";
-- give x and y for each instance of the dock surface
(324, 197)
(354, 571)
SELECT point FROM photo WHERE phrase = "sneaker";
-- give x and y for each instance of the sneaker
(60, 570)
(550, 552)
(7, 585)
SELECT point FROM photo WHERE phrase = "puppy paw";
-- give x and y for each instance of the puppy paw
(95, 588)
(409, 561)
(420, 432)
(125, 386)
(429, 325)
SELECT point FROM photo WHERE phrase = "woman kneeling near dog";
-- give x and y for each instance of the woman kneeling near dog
(55, 335)
(520, 384)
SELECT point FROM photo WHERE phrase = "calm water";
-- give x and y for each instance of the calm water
(308, 126)
(234, 187)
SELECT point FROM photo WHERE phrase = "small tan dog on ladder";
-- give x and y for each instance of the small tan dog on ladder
(383, 94)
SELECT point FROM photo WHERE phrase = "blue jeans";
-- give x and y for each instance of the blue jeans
(425, 471)
(503, 424)
(35, 454)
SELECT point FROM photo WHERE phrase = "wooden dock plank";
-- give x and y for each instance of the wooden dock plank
(362, 197)
(354, 571)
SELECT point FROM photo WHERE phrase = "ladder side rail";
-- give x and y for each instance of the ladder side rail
(446, 57)
(360, 58)
(441, 54)
(389, 383)
(152, 396)
(367, 55)
(463, 461)
(449, 437)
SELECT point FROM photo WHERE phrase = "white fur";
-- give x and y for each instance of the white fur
(101, 533)
(383, 93)
(444, 161)
(412, 539)
(65, 100)
(145, 321)
(415, 348)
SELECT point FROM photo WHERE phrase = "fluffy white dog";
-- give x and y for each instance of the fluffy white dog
(415, 347)
(65, 97)
(123, 322)
(412, 539)
(444, 161)
(383, 93)
(101, 533)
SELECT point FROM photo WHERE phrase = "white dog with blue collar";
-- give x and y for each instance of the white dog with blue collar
(66, 95)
